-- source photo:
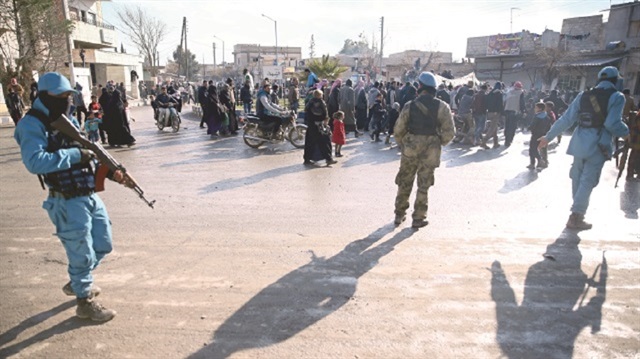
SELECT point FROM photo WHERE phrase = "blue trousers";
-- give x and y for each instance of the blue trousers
(480, 121)
(585, 175)
(83, 226)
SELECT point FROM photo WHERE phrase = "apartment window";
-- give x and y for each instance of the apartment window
(73, 13)
(569, 82)
(83, 15)
(634, 22)
(91, 18)
(634, 28)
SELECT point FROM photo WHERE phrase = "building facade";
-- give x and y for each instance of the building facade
(97, 55)
(254, 57)
(567, 60)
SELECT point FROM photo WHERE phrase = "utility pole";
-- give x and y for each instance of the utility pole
(511, 26)
(381, 41)
(215, 64)
(203, 65)
(275, 24)
(72, 77)
(186, 49)
(222, 48)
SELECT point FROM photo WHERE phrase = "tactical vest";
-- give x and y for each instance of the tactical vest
(594, 107)
(79, 179)
(423, 116)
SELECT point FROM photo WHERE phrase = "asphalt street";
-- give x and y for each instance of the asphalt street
(250, 254)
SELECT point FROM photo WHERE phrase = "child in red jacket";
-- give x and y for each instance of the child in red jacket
(339, 137)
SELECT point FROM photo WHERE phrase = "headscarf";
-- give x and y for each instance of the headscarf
(360, 85)
(337, 83)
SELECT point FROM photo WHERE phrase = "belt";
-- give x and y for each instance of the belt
(65, 195)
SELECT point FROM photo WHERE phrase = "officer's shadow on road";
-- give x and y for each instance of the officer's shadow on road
(545, 324)
(364, 152)
(630, 199)
(232, 183)
(301, 298)
(454, 157)
(67, 325)
(520, 181)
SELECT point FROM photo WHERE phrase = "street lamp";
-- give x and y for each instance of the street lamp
(222, 48)
(276, 27)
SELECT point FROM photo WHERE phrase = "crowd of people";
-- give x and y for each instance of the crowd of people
(105, 118)
(424, 125)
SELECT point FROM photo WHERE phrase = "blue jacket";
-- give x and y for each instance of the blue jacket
(585, 142)
(31, 136)
(312, 79)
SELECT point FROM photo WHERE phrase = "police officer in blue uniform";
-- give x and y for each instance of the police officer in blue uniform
(598, 113)
(79, 215)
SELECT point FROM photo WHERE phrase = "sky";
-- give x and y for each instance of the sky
(428, 25)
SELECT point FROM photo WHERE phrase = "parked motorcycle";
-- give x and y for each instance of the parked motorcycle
(257, 133)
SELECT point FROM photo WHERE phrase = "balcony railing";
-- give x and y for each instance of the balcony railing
(99, 24)
(91, 21)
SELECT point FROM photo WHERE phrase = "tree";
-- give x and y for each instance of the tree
(186, 60)
(326, 67)
(549, 58)
(359, 47)
(312, 47)
(145, 32)
(35, 38)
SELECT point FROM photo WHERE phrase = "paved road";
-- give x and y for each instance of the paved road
(249, 254)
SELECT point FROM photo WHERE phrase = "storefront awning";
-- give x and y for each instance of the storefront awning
(588, 62)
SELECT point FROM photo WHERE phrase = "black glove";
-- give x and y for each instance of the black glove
(86, 156)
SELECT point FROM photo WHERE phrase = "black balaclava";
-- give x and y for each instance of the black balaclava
(56, 106)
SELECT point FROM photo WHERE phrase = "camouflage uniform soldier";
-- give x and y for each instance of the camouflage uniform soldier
(424, 126)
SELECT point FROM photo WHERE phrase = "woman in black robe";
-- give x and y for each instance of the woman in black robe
(333, 105)
(214, 116)
(317, 143)
(114, 118)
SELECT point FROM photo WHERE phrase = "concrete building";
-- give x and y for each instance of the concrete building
(569, 59)
(396, 65)
(254, 57)
(98, 42)
(510, 57)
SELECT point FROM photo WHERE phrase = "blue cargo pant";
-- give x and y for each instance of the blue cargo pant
(585, 175)
(83, 226)
(480, 120)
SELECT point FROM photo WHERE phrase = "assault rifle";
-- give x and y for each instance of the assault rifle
(107, 162)
(621, 161)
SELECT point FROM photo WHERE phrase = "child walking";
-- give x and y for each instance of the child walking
(394, 113)
(377, 117)
(339, 136)
(92, 126)
(93, 107)
(540, 125)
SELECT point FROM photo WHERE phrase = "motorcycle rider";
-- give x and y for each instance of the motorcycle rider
(166, 104)
(267, 111)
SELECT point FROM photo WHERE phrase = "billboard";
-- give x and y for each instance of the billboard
(272, 72)
(504, 44)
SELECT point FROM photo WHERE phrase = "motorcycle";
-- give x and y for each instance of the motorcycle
(257, 133)
(167, 115)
